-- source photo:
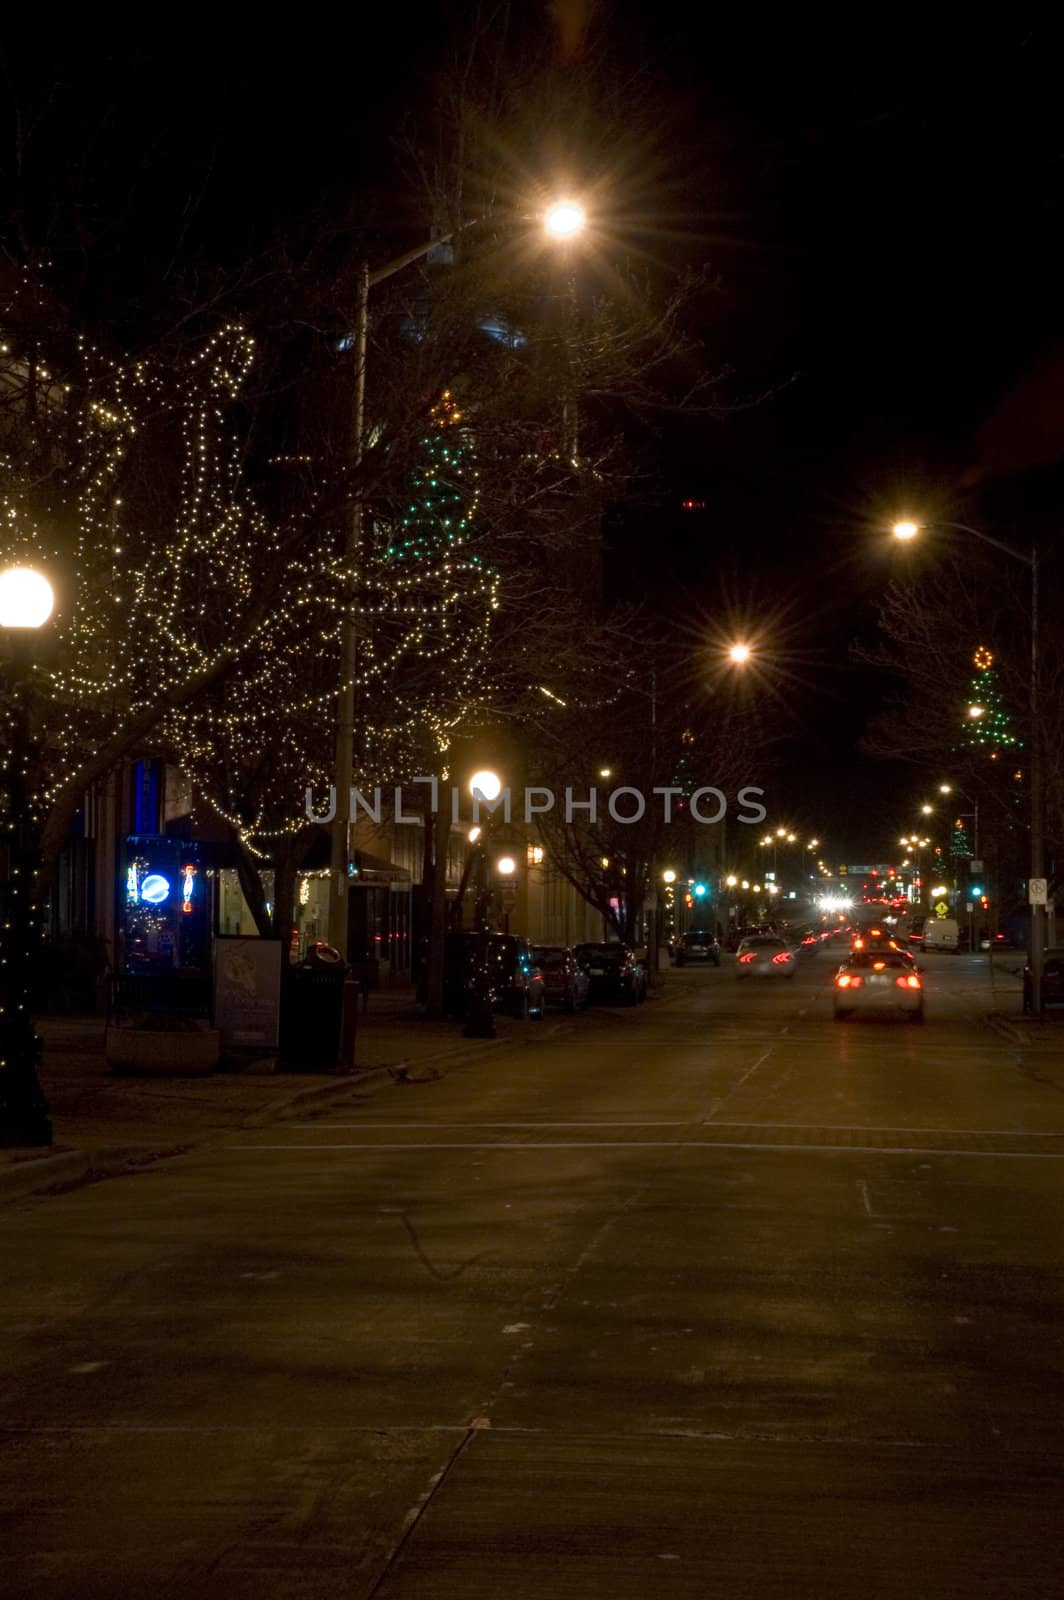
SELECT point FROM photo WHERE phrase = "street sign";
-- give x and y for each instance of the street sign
(969, 906)
(509, 895)
(1036, 891)
(974, 866)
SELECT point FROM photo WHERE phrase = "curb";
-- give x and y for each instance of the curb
(23, 1177)
(72, 1167)
(349, 1082)
(1007, 1030)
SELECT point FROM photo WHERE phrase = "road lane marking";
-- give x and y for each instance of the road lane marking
(676, 1144)
(864, 1196)
(672, 1122)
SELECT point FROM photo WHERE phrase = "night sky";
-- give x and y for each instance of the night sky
(882, 207)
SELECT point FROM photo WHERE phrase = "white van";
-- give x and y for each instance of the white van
(941, 933)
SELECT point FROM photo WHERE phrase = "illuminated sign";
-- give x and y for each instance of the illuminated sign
(155, 888)
(186, 888)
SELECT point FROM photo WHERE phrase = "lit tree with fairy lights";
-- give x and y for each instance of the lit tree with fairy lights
(124, 481)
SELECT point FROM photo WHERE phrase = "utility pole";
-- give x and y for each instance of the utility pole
(349, 634)
(653, 922)
(1038, 852)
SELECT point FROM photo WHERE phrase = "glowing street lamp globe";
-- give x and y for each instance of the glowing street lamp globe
(485, 785)
(565, 219)
(905, 530)
(668, 876)
(26, 598)
(740, 653)
(506, 866)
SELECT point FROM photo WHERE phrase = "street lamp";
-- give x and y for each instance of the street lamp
(26, 603)
(565, 219)
(740, 653)
(668, 876)
(562, 220)
(909, 530)
(485, 785)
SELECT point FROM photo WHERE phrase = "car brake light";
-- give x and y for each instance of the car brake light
(910, 982)
(778, 961)
(858, 944)
(877, 966)
(848, 980)
(749, 956)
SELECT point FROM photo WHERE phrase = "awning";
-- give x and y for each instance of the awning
(373, 872)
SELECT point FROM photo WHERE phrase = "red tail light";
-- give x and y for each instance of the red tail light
(751, 955)
(848, 980)
(911, 982)
(858, 944)
(784, 956)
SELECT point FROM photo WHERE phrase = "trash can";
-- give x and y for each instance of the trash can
(312, 1000)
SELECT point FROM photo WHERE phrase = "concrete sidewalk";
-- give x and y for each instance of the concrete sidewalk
(105, 1123)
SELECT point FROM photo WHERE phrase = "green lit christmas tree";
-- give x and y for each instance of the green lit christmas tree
(443, 491)
(987, 718)
(959, 844)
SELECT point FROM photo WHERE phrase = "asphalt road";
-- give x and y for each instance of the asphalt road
(715, 1298)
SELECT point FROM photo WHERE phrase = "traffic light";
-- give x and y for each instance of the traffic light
(688, 900)
(700, 891)
(977, 891)
(984, 901)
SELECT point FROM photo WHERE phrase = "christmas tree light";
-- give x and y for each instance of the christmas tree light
(987, 719)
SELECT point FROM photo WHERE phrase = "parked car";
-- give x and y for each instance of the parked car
(697, 946)
(879, 980)
(1052, 979)
(515, 983)
(565, 982)
(615, 971)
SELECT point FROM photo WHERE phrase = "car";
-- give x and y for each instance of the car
(916, 933)
(808, 942)
(942, 933)
(1052, 979)
(879, 939)
(515, 983)
(565, 981)
(697, 946)
(878, 980)
(615, 971)
(764, 956)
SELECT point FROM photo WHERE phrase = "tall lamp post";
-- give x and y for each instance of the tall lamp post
(908, 530)
(561, 221)
(26, 603)
(480, 1019)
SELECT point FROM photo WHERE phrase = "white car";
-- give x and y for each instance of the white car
(879, 981)
(764, 957)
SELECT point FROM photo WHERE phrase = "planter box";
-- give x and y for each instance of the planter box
(164, 1053)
